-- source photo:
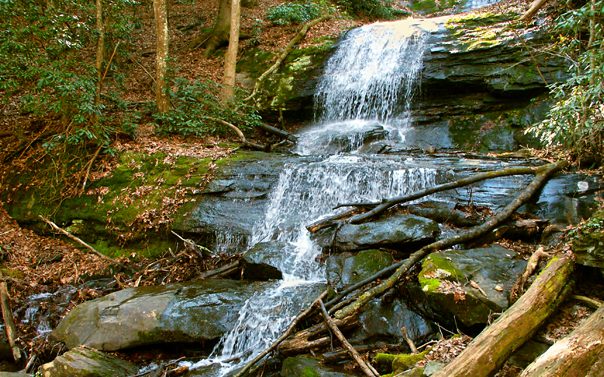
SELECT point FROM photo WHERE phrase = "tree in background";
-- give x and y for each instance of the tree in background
(576, 121)
(230, 58)
(161, 60)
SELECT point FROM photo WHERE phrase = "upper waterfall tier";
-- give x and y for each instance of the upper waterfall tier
(374, 71)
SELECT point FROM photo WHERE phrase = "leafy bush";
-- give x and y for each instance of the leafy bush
(293, 13)
(376, 9)
(193, 106)
(576, 121)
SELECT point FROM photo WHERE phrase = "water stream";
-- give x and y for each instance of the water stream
(368, 82)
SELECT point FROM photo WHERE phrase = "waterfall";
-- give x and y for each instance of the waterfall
(373, 69)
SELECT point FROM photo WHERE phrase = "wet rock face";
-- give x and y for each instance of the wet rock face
(469, 285)
(384, 319)
(265, 261)
(176, 313)
(86, 362)
(397, 232)
(232, 204)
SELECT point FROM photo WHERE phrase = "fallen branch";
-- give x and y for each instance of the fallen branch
(284, 53)
(9, 323)
(76, 239)
(542, 174)
(365, 367)
(534, 8)
(239, 133)
(204, 251)
(581, 353)
(221, 271)
(409, 341)
(492, 347)
(592, 302)
(287, 332)
(301, 342)
(277, 131)
(379, 208)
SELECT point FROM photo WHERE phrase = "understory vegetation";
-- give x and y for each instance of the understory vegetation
(576, 121)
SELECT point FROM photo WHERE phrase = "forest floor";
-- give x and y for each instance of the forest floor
(35, 264)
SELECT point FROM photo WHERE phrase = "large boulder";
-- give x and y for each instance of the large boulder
(397, 232)
(175, 313)
(468, 285)
(87, 362)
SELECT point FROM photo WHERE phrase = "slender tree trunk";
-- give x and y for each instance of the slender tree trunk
(100, 53)
(230, 58)
(161, 26)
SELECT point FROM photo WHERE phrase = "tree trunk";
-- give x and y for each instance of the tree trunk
(492, 347)
(534, 8)
(100, 53)
(230, 58)
(161, 65)
(219, 35)
(580, 354)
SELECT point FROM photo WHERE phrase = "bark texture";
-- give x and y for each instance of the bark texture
(161, 59)
(230, 58)
(580, 354)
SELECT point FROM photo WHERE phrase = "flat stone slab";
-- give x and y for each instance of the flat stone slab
(87, 362)
(175, 313)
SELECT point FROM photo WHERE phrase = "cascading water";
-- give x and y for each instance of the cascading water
(374, 68)
(366, 90)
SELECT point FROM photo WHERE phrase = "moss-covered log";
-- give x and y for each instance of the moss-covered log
(492, 347)
(581, 353)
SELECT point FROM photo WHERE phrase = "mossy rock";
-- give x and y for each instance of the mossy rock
(86, 362)
(449, 279)
(131, 208)
(588, 244)
(398, 363)
(305, 366)
(347, 269)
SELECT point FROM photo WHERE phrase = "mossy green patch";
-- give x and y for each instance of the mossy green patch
(435, 268)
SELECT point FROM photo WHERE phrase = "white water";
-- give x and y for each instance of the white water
(374, 69)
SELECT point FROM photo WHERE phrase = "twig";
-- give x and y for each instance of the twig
(89, 166)
(76, 239)
(409, 341)
(594, 303)
(9, 323)
(226, 269)
(287, 332)
(365, 367)
(531, 266)
(239, 133)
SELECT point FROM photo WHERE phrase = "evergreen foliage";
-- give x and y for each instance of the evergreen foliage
(576, 121)
(374, 9)
(293, 13)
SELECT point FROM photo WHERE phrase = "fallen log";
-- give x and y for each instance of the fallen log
(580, 354)
(382, 206)
(277, 131)
(492, 347)
(244, 140)
(542, 174)
(310, 339)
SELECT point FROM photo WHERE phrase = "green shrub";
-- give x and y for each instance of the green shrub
(193, 106)
(293, 13)
(576, 121)
(376, 9)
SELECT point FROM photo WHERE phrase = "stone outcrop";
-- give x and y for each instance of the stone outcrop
(176, 313)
